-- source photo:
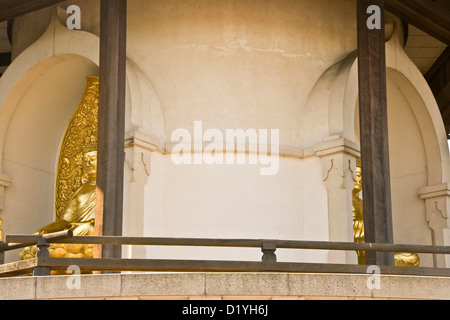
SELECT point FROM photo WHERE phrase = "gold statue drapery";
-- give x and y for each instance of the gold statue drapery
(2, 233)
(358, 216)
(81, 132)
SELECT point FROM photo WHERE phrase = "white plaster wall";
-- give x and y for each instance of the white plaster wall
(315, 207)
(231, 64)
(235, 201)
(408, 172)
(238, 64)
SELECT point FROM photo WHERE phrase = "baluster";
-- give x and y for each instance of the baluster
(43, 252)
(269, 248)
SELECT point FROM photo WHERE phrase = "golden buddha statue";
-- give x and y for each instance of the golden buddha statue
(406, 259)
(403, 259)
(79, 215)
(358, 216)
(76, 179)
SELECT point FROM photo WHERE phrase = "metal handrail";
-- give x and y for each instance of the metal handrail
(20, 242)
(66, 237)
(43, 264)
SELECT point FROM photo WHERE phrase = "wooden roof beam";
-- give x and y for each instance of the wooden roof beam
(429, 16)
(10, 9)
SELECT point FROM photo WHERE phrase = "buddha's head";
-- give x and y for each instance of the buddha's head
(358, 183)
(90, 161)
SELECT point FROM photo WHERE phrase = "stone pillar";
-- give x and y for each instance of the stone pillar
(5, 182)
(138, 149)
(437, 206)
(339, 175)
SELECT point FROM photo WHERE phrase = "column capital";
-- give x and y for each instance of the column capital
(429, 192)
(5, 180)
(137, 138)
(336, 144)
(338, 156)
(437, 207)
(437, 202)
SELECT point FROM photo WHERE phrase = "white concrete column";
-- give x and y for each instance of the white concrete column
(138, 148)
(339, 175)
(437, 204)
(5, 182)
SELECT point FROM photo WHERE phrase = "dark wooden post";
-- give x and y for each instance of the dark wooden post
(268, 249)
(374, 131)
(111, 123)
(43, 252)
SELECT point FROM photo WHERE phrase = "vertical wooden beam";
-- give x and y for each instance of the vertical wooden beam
(111, 123)
(374, 133)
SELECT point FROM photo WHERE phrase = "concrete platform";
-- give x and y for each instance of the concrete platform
(223, 286)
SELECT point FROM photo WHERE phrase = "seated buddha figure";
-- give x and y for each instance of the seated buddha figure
(358, 215)
(404, 259)
(79, 214)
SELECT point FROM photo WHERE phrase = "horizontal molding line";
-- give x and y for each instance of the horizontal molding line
(328, 147)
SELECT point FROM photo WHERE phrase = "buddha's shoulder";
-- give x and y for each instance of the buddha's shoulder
(86, 188)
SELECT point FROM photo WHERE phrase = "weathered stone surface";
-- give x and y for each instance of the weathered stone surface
(231, 284)
(329, 285)
(17, 288)
(405, 287)
(91, 286)
(225, 286)
(163, 284)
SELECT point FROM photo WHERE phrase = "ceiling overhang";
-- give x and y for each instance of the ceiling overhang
(432, 17)
(10, 9)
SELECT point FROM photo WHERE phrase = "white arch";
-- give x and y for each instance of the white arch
(33, 156)
(335, 97)
(58, 44)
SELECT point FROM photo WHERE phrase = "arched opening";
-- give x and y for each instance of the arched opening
(36, 116)
(414, 156)
(418, 143)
